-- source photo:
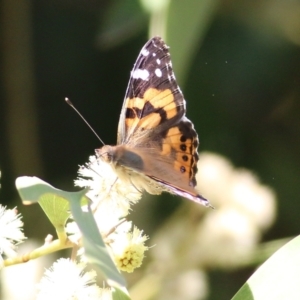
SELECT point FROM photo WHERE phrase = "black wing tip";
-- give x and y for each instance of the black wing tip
(157, 37)
(157, 41)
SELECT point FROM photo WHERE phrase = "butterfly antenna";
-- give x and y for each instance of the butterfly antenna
(86, 122)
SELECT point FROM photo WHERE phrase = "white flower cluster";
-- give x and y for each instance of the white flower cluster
(111, 202)
(10, 232)
(67, 280)
(244, 210)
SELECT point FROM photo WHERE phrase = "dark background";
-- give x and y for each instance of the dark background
(242, 86)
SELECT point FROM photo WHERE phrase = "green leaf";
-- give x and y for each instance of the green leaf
(33, 189)
(56, 209)
(278, 278)
(120, 295)
(95, 249)
(185, 37)
(53, 201)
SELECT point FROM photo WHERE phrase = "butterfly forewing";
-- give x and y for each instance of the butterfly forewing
(153, 98)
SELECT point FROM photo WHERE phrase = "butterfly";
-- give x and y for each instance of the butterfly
(157, 145)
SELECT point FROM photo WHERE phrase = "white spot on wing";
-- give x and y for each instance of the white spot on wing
(158, 72)
(153, 54)
(144, 52)
(158, 61)
(140, 74)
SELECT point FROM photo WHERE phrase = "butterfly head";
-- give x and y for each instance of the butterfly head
(120, 156)
(106, 153)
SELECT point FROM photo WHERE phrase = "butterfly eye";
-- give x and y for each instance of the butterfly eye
(105, 153)
(107, 157)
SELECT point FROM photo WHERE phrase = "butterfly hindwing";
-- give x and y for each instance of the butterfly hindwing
(181, 144)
